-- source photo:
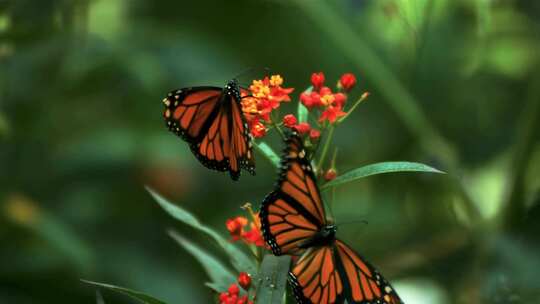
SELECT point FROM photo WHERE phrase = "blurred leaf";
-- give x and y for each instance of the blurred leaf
(27, 213)
(99, 298)
(273, 279)
(141, 297)
(268, 152)
(302, 110)
(4, 127)
(219, 274)
(239, 259)
(379, 168)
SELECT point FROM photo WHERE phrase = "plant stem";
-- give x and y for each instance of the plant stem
(326, 146)
(277, 127)
(362, 98)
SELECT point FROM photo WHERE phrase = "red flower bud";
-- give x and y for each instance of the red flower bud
(339, 99)
(244, 280)
(233, 290)
(289, 120)
(330, 174)
(235, 226)
(325, 91)
(347, 81)
(314, 134)
(258, 130)
(302, 127)
(317, 79)
(223, 297)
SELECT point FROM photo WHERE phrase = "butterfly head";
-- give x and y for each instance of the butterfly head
(329, 231)
(232, 88)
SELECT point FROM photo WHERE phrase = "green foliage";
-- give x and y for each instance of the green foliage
(220, 276)
(267, 151)
(139, 296)
(273, 279)
(378, 168)
(239, 259)
(302, 111)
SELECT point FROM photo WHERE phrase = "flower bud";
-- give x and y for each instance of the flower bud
(302, 128)
(347, 81)
(330, 174)
(314, 134)
(289, 121)
(317, 79)
(233, 289)
(244, 280)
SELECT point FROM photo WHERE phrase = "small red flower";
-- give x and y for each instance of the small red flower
(236, 227)
(244, 280)
(331, 114)
(258, 130)
(233, 289)
(223, 297)
(317, 79)
(314, 134)
(325, 91)
(244, 300)
(254, 236)
(232, 296)
(347, 81)
(311, 100)
(302, 127)
(330, 174)
(339, 99)
(289, 121)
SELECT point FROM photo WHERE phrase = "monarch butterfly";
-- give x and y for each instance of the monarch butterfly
(211, 120)
(294, 222)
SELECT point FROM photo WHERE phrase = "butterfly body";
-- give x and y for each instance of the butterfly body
(211, 121)
(293, 222)
(324, 237)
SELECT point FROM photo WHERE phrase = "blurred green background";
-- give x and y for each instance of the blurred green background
(454, 84)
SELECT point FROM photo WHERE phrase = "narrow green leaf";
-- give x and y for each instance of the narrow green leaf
(273, 279)
(379, 168)
(239, 259)
(99, 298)
(302, 110)
(141, 297)
(220, 276)
(268, 153)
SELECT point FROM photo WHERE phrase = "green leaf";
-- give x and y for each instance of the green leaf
(273, 279)
(379, 168)
(239, 259)
(141, 297)
(302, 110)
(268, 152)
(220, 276)
(99, 298)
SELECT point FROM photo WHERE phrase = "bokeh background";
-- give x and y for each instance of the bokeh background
(454, 84)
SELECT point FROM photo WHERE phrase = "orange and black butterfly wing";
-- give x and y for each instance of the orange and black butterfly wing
(188, 111)
(241, 154)
(293, 212)
(211, 121)
(315, 277)
(362, 283)
(335, 273)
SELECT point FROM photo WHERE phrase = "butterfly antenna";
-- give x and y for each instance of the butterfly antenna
(244, 72)
(353, 222)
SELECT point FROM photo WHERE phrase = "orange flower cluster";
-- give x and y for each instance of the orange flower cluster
(236, 227)
(266, 96)
(321, 97)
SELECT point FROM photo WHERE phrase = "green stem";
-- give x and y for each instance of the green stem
(362, 98)
(325, 147)
(277, 127)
